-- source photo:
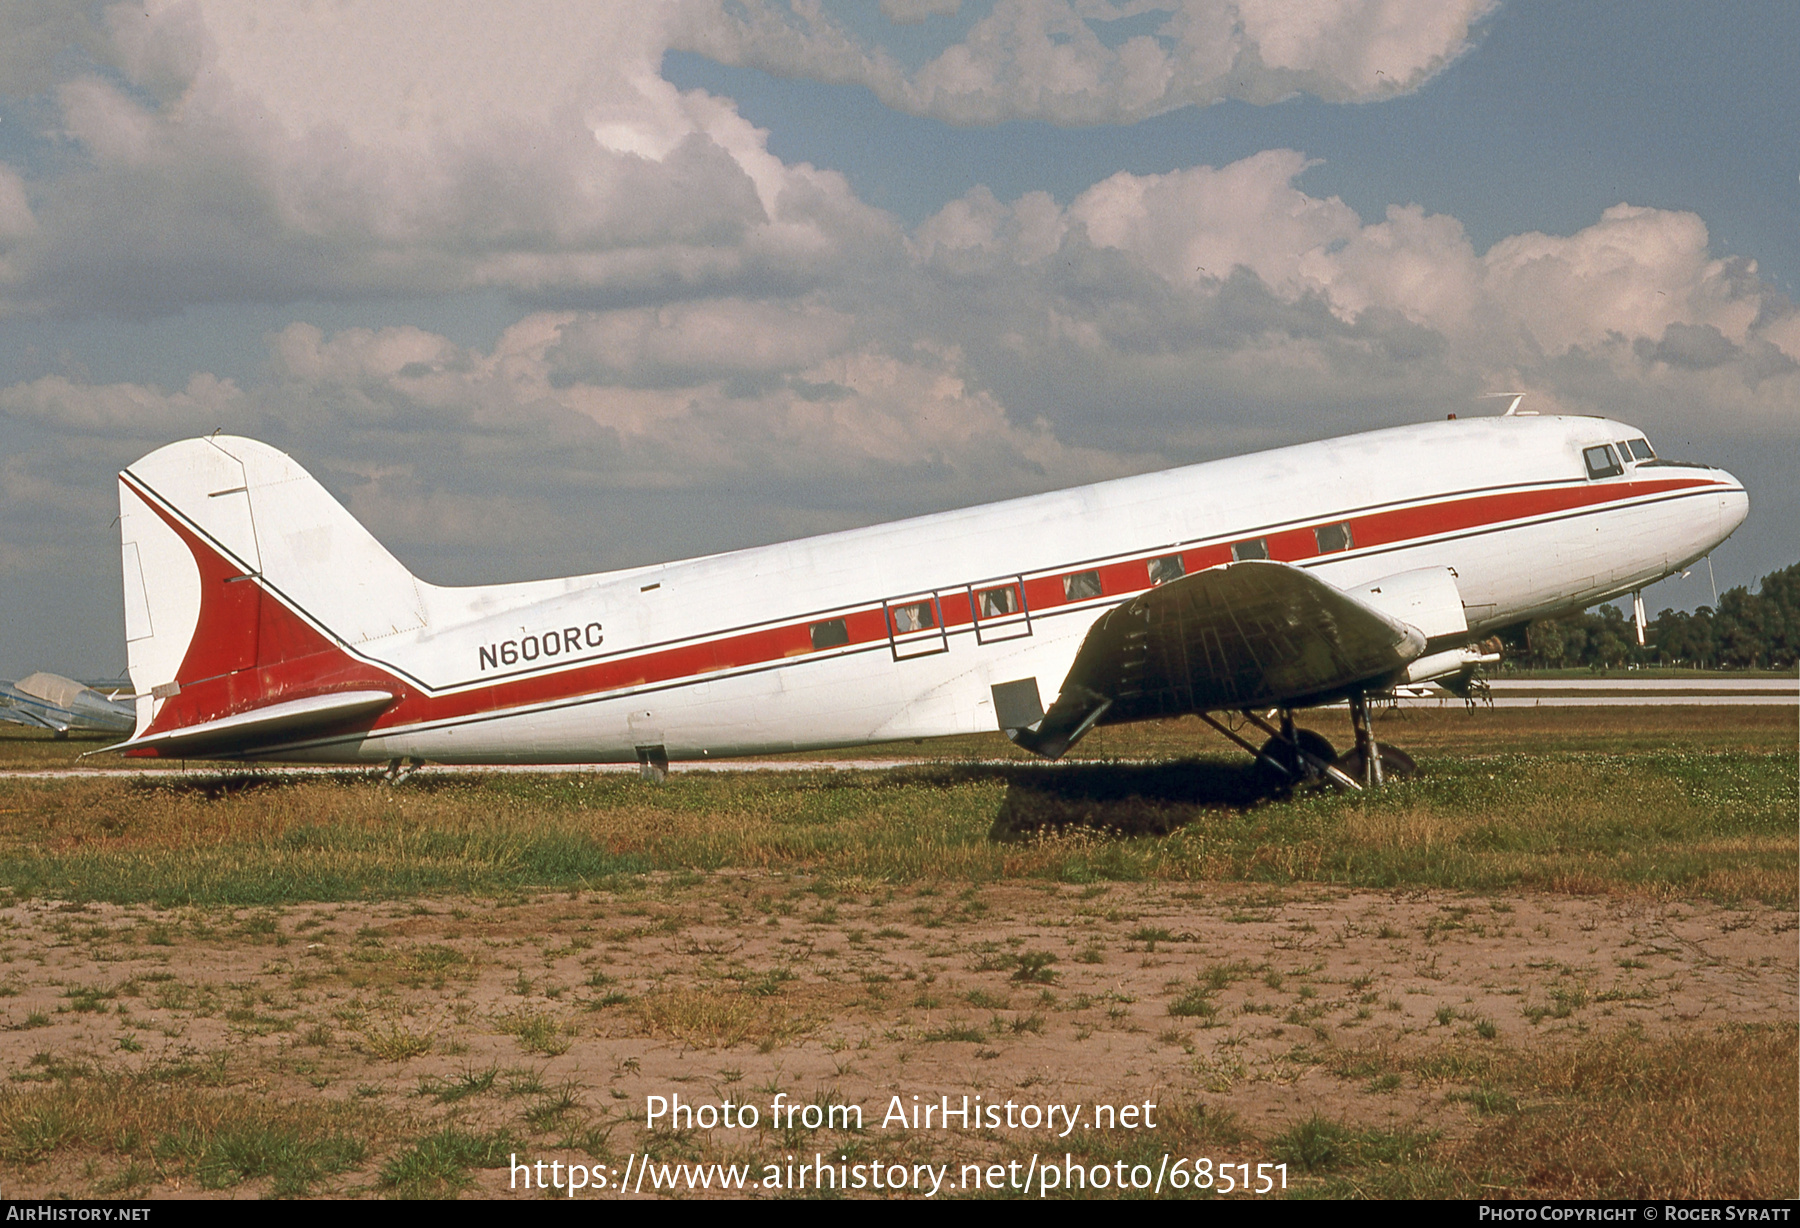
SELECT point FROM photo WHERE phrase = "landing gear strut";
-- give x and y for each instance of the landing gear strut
(1291, 756)
(1366, 745)
(1374, 762)
(1297, 757)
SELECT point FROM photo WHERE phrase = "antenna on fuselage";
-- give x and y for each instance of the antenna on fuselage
(1512, 410)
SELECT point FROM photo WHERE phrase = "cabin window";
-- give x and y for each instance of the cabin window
(1333, 538)
(1169, 567)
(1637, 450)
(830, 634)
(1081, 586)
(915, 617)
(1601, 463)
(1255, 548)
(998, 602)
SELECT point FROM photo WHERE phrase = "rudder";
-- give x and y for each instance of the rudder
(243, 579)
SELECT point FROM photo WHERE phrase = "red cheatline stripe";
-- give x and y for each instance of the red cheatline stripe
(248, 653)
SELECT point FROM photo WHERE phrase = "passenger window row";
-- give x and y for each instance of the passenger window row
(1008, 600)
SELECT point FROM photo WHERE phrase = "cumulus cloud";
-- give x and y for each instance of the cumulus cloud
(239, 149)
(1099, 61)
(911, 12)
(1156, 303)
(579, 417)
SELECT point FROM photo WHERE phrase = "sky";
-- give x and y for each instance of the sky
(566, 285)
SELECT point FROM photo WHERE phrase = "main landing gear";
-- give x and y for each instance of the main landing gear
(1295, 758)
(1371, 761)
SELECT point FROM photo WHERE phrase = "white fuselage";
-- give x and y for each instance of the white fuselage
(876, 634)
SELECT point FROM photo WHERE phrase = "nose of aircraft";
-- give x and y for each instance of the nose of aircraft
(1734, 505)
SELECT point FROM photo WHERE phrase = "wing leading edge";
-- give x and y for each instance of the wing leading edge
(1245, 635)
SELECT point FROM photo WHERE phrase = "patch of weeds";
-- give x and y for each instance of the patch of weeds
(89, 998)
(550, 1109)
(395, 1042)
(1565, 999)
(1488, 1100)
(1034, 968)
(48, 1068)
(470, 1082)
(1196, 1003)
(1221, 975)
(222, 1158)
(536, 1031)
(596, 1141)
(770, 982)
(526, 1083)
(130, 1181)
(706, 1018)
(955, 1032)
(438, 1166)
(1319, 1145)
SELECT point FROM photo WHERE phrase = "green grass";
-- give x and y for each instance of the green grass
(1709, 1114)
(293, 1159)
(1654, 822)
(1700, 1115)
(438, 1166)
(176, 1120)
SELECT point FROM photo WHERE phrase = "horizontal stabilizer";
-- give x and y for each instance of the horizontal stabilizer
(263, 726)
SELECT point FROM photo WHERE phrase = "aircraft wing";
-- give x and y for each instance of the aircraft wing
(1245, 635)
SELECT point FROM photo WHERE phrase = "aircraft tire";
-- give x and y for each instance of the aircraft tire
(1315, 744)
(1395, 763)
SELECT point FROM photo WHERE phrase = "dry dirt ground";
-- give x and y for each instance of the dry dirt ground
(556, 1016)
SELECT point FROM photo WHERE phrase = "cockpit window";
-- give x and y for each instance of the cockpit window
(1636, 450)
(1601, 463)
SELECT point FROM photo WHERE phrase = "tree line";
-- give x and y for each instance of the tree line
(1759, 630)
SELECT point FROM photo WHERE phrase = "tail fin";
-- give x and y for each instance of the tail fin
(244, 583)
